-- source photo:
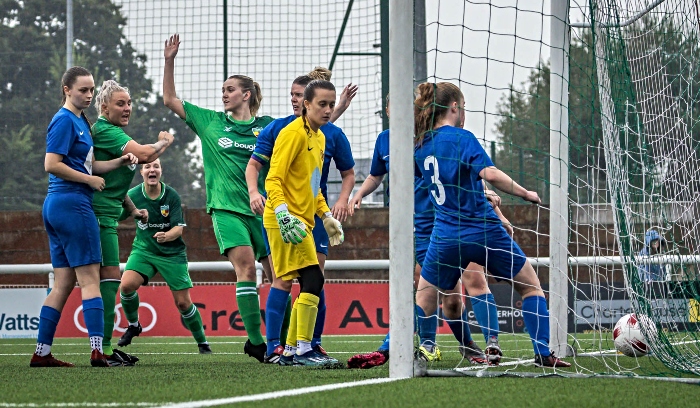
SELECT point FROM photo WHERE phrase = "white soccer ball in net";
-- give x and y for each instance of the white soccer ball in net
(628, 336)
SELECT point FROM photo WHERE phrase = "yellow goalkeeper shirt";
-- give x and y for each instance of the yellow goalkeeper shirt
(295, 175)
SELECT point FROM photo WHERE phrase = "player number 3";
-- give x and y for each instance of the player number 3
(439, 195)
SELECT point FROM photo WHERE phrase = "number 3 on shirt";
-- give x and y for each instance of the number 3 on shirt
(439, 195)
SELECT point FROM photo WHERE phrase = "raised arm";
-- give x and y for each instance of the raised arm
(172, 45)
(150, 152)
(346, 97)
(503, 182)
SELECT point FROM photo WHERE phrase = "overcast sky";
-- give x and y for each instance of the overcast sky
(483, 46)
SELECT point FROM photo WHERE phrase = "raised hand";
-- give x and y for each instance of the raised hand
(172, 45)
(168, 137)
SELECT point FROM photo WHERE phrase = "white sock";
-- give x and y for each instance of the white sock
(289, 350)
(96, 343)
(303, 347)
(135, 324)
(43, 349)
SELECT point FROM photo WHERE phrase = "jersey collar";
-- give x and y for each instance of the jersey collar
(146, 196)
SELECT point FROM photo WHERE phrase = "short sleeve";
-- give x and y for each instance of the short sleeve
(264, 145)
(343, 153)
(113, 141)
(60, 136)
(378, 167)
(197, 118)
(474, 154)
(176, 216)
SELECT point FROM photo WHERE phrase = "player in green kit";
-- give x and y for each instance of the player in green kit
(113, 105)
(228, 138)
(158, 248)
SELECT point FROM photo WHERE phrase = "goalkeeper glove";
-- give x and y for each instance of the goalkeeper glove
(334, 229)
(291, 227)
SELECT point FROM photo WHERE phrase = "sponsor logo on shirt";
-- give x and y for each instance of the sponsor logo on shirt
(164, 210)
(143, 225)
(225, 142)
(228, 128)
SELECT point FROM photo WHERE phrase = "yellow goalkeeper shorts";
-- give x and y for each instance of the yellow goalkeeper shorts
(287, 259)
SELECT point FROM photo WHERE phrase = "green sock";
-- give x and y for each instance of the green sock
(285, 321)
(193, 321)
(130, 305)
(249, 309)
(108, 290)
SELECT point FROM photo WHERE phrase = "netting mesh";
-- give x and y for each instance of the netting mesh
(273, 42)
(633, 168)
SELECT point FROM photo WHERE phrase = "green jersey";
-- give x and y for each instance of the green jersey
(164, 213)
(226, 148)
(110, 141)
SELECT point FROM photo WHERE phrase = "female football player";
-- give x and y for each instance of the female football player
(113, 105)
(337, 149)
(228, 138)
(74, 236)
(452, 164)
(294, 196)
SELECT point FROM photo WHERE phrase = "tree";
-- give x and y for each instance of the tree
(30, 86)
(524, 127)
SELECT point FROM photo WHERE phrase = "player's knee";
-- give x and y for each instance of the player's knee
(311, 280)
(452, 306)
(183, 304)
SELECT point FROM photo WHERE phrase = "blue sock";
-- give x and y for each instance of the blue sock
(486, 314)
(460, 328)
(320, 320)
(48, 320)
(385, 345)
(274, 316)
(536, 317)
(93, 312)
(427, 326)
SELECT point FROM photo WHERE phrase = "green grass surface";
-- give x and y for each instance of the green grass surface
(172, 371)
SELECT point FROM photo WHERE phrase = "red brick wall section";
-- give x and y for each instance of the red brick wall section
(23, 240)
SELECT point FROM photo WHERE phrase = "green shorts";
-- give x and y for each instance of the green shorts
(233, 230)
(109, 241)
(172, 269)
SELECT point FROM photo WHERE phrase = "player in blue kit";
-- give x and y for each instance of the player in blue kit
(452, 163)
(338, 150)
(74, 236)
(473, 277)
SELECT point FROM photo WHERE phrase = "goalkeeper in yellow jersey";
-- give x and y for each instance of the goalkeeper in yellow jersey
(294, 196)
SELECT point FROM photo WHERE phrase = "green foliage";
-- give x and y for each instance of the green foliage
(18, 148)
(30, 84)
(524, 125)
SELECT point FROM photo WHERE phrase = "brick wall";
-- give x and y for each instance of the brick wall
(24, 241)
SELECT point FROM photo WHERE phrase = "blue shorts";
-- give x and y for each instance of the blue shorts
(421, 248)
(74, 236)
(491, 248)
(320, 237)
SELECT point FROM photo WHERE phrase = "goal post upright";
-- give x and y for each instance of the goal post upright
(401, 186)
(560, 38)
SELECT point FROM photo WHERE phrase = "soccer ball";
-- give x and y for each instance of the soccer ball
(628, 336)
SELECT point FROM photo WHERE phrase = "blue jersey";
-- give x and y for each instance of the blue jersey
(423, 216)
(449, 161)
(380, 158)
(69, 136)
(337, 147)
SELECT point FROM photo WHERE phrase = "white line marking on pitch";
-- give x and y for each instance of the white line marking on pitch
(80, 404)
(278, 394)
